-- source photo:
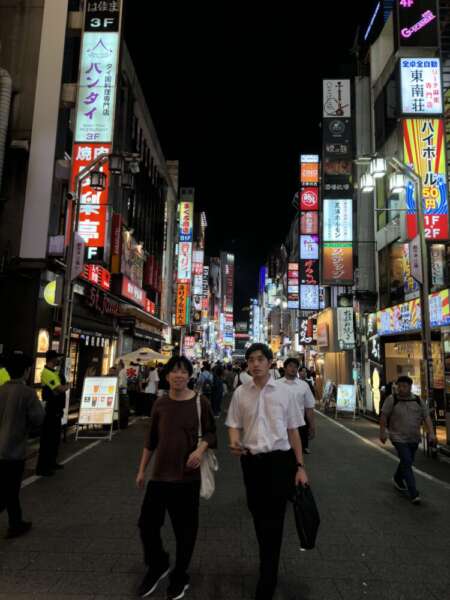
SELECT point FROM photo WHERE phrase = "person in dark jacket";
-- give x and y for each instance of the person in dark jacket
(20, 413)
(217, 390)
(54, 397)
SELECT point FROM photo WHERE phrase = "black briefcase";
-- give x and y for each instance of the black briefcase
(307, 518)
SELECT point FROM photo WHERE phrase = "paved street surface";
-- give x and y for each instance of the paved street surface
(373, 543)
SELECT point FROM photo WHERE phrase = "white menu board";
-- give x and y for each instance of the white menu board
(98, 401)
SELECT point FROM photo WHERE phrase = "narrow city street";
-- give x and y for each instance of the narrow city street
(373, 544)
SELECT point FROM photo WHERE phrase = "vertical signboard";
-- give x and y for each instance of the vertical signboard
(293, 286)
(337, 205)
(184, 269)
(94, 123)
(424, 149)
(308, 267)
(182, 311)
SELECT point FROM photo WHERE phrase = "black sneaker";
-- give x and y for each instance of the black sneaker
(58, 467)
(401, 487)
(416, 499)
(177, 589)
(151, 581)
(19, 530)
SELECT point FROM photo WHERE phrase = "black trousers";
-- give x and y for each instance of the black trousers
(50, 440)
(11, 473)
(269, 481)
(181, 501)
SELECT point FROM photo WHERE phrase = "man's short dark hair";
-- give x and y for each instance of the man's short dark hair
(17, 363)
(405, 379)
(258, 347)
(179, 362)
(293, 361)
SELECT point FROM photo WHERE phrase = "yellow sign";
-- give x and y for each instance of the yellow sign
(50, 293)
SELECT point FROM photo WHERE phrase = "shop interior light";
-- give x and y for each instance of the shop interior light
(285, 304)
(367, 183)
(116, 164)
(98, 180)
(397, 183)
(378, 167)
(278, 302)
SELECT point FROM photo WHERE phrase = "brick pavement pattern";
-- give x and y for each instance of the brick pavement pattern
(373, 544)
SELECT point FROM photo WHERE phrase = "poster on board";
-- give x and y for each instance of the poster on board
(98, 401)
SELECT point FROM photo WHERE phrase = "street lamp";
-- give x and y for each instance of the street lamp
(397, 183)
(98, 181)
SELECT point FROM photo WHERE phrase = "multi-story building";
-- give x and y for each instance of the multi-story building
(123, 295)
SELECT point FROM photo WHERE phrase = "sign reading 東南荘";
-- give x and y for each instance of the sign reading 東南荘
(421, 89)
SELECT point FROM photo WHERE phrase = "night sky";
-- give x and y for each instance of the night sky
(236, 97)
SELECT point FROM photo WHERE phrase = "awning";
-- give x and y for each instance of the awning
(133, 311)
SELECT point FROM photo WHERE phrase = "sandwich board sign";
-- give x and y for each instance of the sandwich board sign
(99, 403)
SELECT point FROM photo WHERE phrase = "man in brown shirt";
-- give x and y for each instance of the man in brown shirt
(174, 484)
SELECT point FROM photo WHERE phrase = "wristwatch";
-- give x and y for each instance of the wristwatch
(299, 465)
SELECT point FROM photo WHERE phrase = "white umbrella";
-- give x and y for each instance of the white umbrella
(145, 355)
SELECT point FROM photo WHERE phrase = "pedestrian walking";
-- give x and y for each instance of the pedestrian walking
(20, 414)
(243, 376)
(274, 372)
(205, 381)
(305, 398)
(151, 387)
(403, 414)
(54, 397)
(174, 485)
(263, 421)
(217, 390)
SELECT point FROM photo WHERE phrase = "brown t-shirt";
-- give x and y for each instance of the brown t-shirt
(173, 435)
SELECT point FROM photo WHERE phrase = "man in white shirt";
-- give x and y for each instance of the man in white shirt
(305, 398)
(263, 421)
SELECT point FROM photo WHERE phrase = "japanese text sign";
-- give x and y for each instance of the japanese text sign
(424, 148)
(421, 86)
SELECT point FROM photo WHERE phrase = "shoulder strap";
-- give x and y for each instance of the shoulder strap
(396, 400)
(199, 413)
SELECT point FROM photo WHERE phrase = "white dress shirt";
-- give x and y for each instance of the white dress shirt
(302, 392)
(264, 415)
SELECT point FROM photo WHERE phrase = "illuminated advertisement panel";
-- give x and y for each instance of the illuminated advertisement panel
(309, 247)
(424, 149)
(421, 89)
(337, 265)
(337, 220)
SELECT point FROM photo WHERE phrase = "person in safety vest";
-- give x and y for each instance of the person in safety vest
(53, 396)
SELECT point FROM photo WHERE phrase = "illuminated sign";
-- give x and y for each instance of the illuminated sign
(336, 98)
(309, 158)
(309, 246)
(407, 317)
(93, 203)
(309, 297)
(417, 23)
(309, 223)
(337, 220)
(345, 329)
(97, 87)
(182, 309)
(309, 272)
(186, 216)
(293, 289)
(309, 198)
(337, 265)
(424, 148)
(309, 174)
(184, 262)
(133, 292)
(421, 88)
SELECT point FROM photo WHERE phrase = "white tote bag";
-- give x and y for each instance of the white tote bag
(209, 464)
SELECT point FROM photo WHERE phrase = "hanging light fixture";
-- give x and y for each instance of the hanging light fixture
(378, 167)
(115, 164)
(127, 181)
(397, 183)
(98, 180)
(367, 183)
